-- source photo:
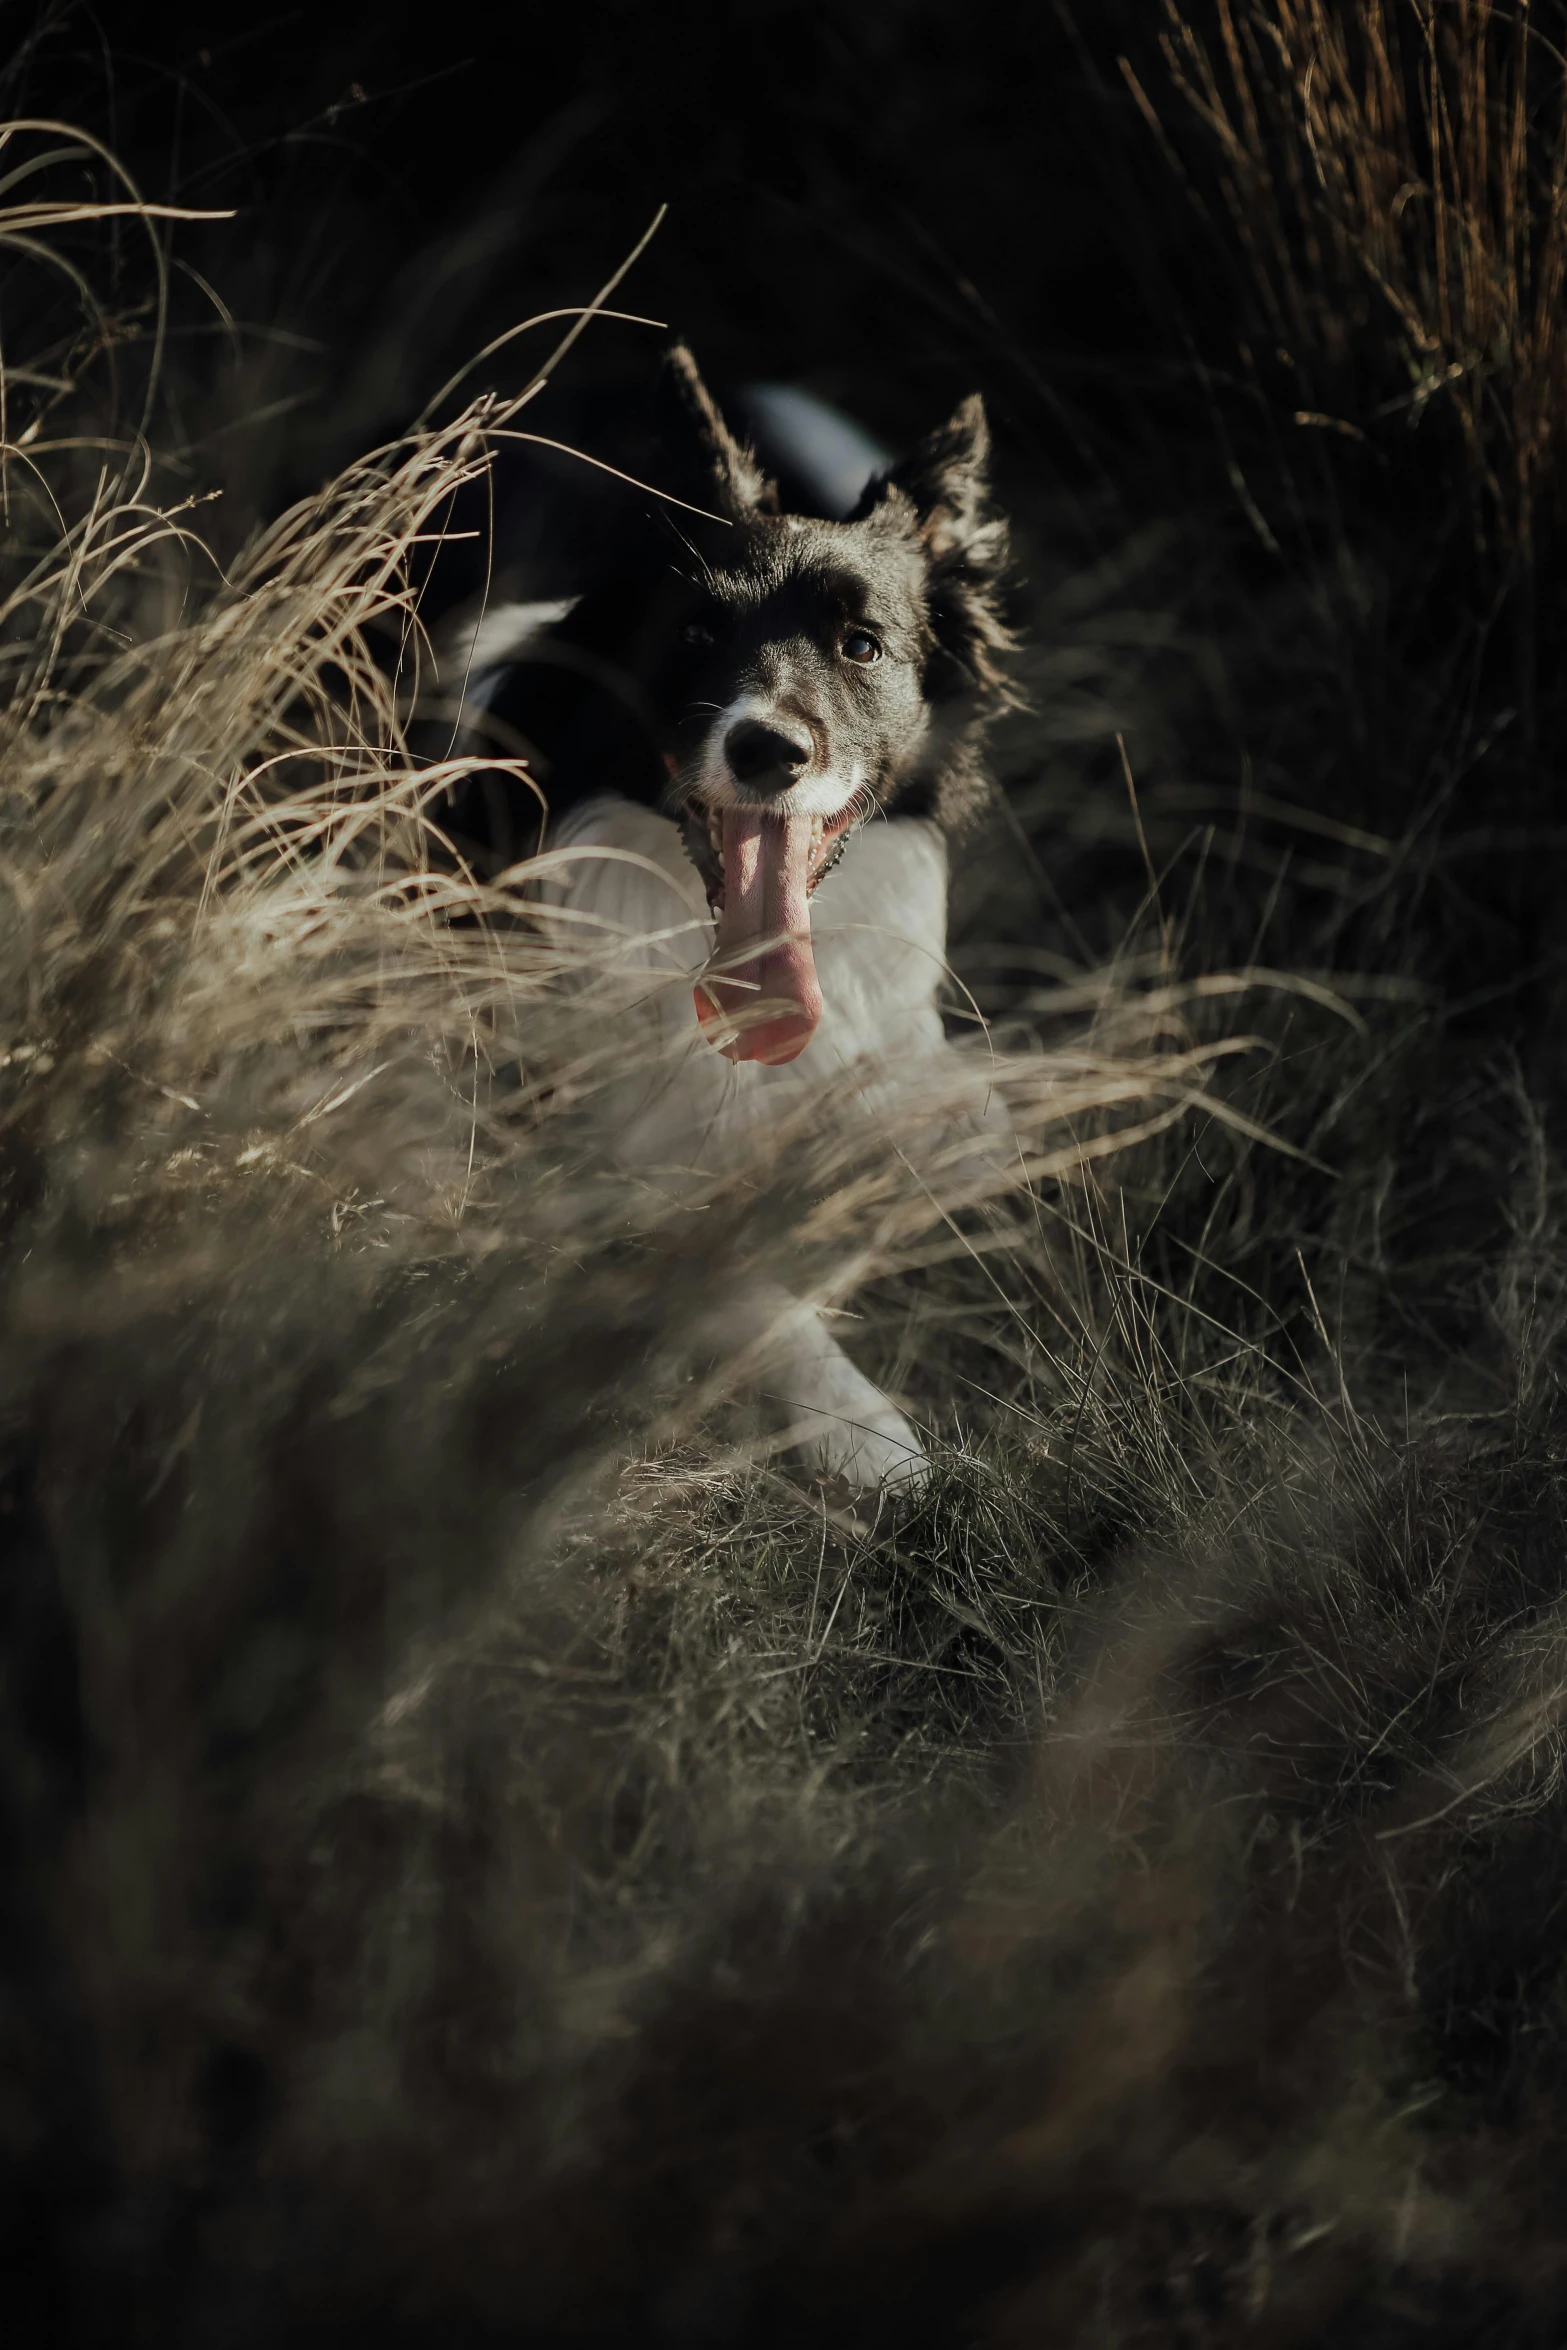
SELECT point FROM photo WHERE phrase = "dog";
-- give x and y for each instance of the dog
(755, 742)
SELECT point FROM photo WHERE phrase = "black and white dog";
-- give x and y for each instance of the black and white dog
(723, 727)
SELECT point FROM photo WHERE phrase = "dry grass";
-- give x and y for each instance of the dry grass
(1396, 178)
(489, 1849)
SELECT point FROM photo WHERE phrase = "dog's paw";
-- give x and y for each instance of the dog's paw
(842, 1424)
(875, 1463)
(858, 1439)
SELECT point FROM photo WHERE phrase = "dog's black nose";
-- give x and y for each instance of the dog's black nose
(763, 757)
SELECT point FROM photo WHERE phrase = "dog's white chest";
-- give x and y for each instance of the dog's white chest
(627, 896)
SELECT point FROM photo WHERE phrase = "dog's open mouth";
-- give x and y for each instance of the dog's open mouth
(759, 999)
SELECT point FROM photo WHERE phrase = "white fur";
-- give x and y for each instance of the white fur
(620, 887)
(499, 634)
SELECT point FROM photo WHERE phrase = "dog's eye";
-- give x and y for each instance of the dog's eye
(696, 634)
(859, 645)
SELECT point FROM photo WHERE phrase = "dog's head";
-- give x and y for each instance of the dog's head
(815, 673)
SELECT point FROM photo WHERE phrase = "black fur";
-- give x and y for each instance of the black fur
(723, 596)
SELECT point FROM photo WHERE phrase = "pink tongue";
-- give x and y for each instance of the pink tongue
(763, 1005)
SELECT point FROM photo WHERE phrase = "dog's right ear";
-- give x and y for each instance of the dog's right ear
(713, 468)
(941, 491)
(947, 481)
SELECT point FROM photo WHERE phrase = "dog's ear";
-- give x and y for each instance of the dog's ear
(714, 469)
(942, 491)
(947, 480)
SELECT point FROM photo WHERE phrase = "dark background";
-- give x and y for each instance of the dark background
(891, 205)
(885, 198)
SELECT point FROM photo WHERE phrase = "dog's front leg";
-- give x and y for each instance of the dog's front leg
(843, 1424)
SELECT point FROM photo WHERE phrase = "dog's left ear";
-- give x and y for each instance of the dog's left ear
(947, 479)
(942, 489)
